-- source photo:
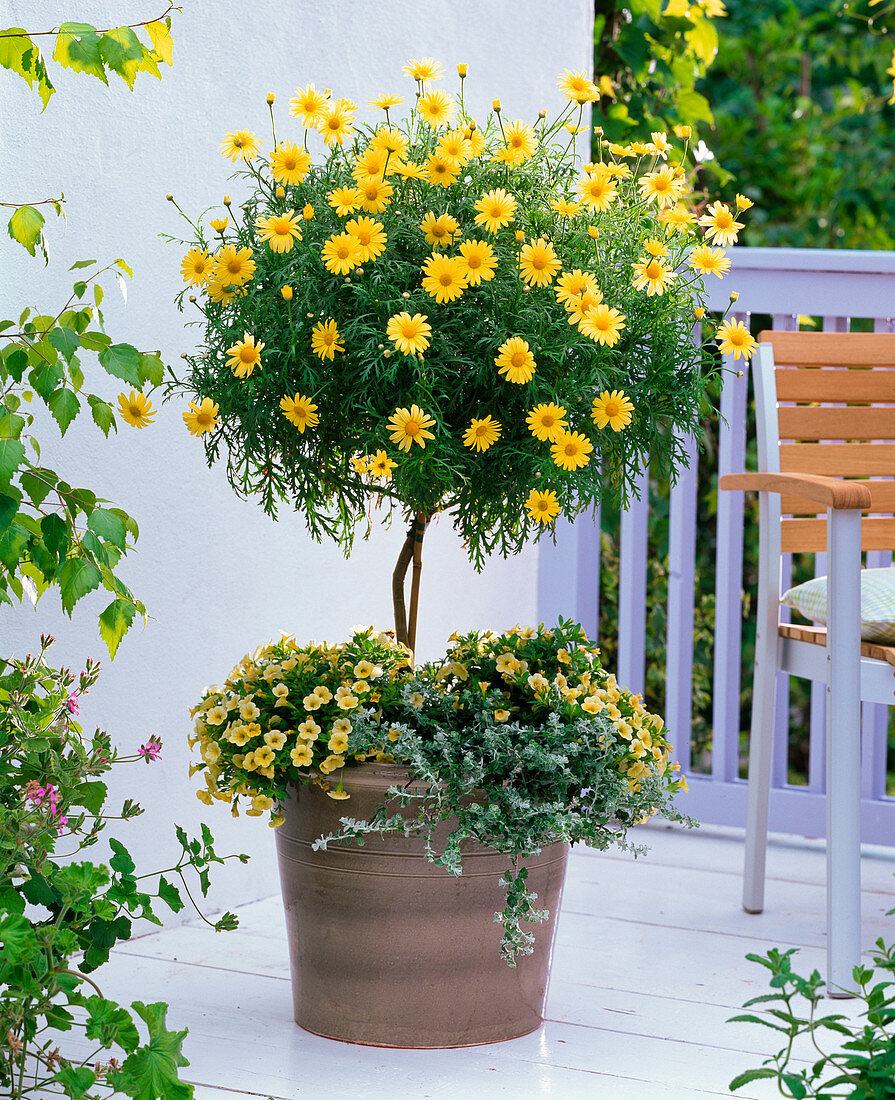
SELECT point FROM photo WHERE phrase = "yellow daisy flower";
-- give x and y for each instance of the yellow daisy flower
(299, 410)
(219, 224)
(410, 170)
(245, 355)
(546, 421)
(577, 307)
(341, 253)
(439, 229)
(602, 324)
(197, 267)
(361, 465)
(571, 450)
(455, 146)
(516, 361)
(478, 261)
(720, 225)
(344, 200)
(234, 267)
(678, 218)
(520, 141)
(380, 466)
(391, 142)
(335, 125)
(652, 276)
(385, 102)
(375, 194)
(572, 284)
(664, 187)
(482, 433)
(445, 278)
(423, 70)
(542, 506)
(613, 410)
(538, 263)
(742, 203)
(709, 261)
(655, 247)
(370, 235)
(202, 417)
(309, 105)
(441, 172)
(279, 230)
(371, 162)
(578, 87)
(409, 334)
(243, 145)
(734, 339)
(660, 144)
(495, 209)
(435, 108)
(408, 426)
(289, 163)
(566, 208)
(598, 191)
(325, 340)
(135, 409)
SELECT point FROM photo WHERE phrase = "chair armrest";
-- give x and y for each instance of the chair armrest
(832, 492)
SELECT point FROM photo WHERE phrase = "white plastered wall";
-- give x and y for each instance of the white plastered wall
(216, 574)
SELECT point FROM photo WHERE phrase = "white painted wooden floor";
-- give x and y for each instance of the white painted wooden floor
(649, 964)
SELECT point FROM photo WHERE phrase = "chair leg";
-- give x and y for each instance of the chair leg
(761, 740)
(843, 753)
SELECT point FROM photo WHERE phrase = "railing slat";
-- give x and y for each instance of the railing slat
(587, 610)
(632, 587)
(681, 597)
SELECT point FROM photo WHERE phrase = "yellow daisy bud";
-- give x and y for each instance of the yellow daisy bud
(280, 192)
(699, 313)
(462, 70)
(270, 98)
(593, 231)
(520, 235)
(496, 105)
(734, 294)
(308, 212)
(286, 291)
(169, 197)
(226, 200)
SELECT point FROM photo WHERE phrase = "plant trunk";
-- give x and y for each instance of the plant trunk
(412, 550)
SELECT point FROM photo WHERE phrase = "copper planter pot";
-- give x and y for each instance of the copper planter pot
(389, 949)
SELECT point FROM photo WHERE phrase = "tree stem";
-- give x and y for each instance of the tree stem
(412, 550)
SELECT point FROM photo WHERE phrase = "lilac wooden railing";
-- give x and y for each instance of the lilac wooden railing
(785, 283)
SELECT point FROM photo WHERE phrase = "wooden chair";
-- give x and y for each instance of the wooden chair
(820, 419)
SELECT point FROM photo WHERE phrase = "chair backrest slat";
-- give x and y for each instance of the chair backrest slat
(834, 393)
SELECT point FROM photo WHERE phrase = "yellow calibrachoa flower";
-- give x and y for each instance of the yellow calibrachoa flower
(309, 105)
(409, 334)
(245, 355)
(546, 421)
(135, 409)
(612, 410)
(478, 261)
(370, 235)
(325, 340)
(197, 267)
(538, 263)
(734, 339)
(243, 145)
(289, 163)
(495, 209)
(408, 426)
(542, 505)
(301, 756)
(571, 450)
(201, 418)
(341, 253)
(439, 229)
(516, 361)
(482, 433)
(279, 230)
(445, 277)
(300, 411)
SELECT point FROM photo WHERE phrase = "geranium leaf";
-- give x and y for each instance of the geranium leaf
(150, 1072)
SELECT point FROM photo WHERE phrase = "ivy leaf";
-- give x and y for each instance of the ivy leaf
(115, 622)
(123, 361)
(160, 37)
(103, 414)
(65, 342)
(150, 1072)
(77, 577)
(64, 406)
(78, 47)
(25, 226)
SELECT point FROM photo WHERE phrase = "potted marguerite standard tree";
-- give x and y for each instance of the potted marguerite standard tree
(443, 317)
